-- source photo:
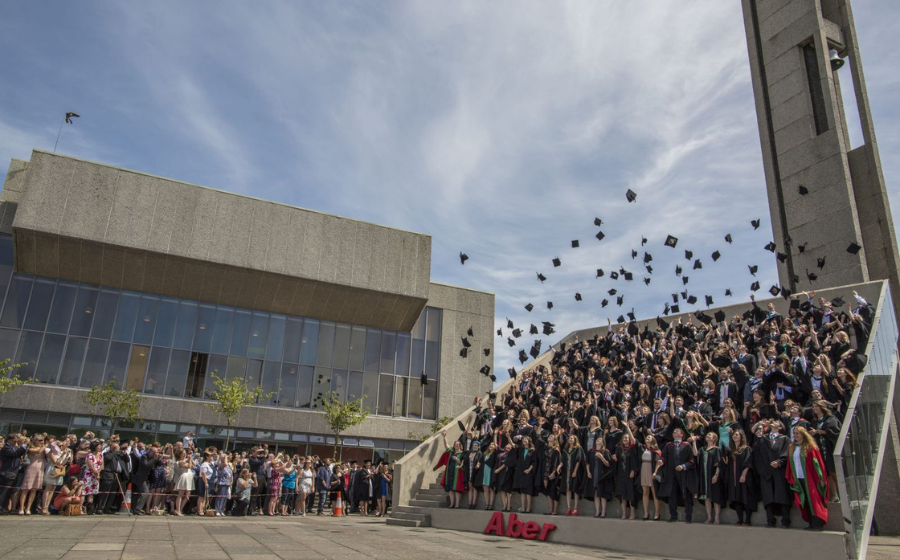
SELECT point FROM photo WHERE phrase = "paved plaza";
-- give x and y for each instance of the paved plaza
(254, 538)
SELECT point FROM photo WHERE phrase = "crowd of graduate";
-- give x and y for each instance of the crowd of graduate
(735, 413)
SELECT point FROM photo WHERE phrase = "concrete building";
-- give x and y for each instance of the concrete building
(110, 274)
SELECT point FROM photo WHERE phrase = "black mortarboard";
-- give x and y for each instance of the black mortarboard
(785, 293)
(463, 258)
(805, 306)
(727, 291)
(628, 276)
(688, 255)
(697, 264)
(487, 352)
(754, 287)
(493, 378)
(728, 238)
(534, 351)
(517, 333)
(631, 195)
(770, 247)
(666, 309)
(462, 427)
(598, 222)
(838, 302)
(512, 372)
(755, 224)
(802, 190)
(631, 315)
(599, 272)
(574, 243)
(704, 318)
(716, 255)
(509, 323)
(620, 319)
(684, 280)
(549, 305)
(781, 256)
(533, 330)
(577, 296)
(466, 342)
(853, 248)
(684, 294)
(511, 342)
(812, 276)
(788, 241)
(604, 303)
(795, 278)
(619, 300)
(612, 292)
(674, 298)
(747, 314)
(541, 277)
(614, 275)
(633, 329)
(676, 309)
(643, 241)
(529, 307)
(548, 328)
(600, 235)
(470, 332)
(795, 304)
(633, 254)
(691, 300)
(671, 241)
(649, 269)
(523, 357)
(709, 301)
(499, 332)
(677, 270)
(424, 379)
(485, 370)
(820, 262)
(802, 248)
(556, 262)
(774, 290)
(720, 316)
(753, 268)
(647, 281)
(647, 257)
(463, 352)
(662, 323)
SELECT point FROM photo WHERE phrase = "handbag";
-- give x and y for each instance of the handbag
(71, 510)
(58, 470)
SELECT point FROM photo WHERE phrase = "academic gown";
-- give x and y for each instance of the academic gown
(710, 462)
(506, 475)
(485, 475)
(810, 492)
(548, 462)
(628, 463)
(525, 459)
(455, 474)
(602, 482)
(674, 455)
(738, 492)
(772, 484)
(572, 479)
(472, 462)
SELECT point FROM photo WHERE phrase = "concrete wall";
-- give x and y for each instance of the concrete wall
(12, 192)
(89, 222)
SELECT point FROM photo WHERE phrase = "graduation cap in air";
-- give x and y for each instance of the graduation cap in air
(512, 372)
(485, 370)
(781, 256)
(620, 319)
(535, 350)
(511, 342)
(463, 352)
(697, 264)
(574, 243)
(753, 268)
(631, 195)
(785, 293)
(728, 291)
(648, 257)
(674, 298)
(647, 281)
(599, 272)
(549, 305)
(795, 278)
(612, 292)
(470, 332)
(529, 307)
(684, 280)
(604, 302)
(853, 248)
(805, 306)
(620, 300)
(487, 352)
(463, 258)
(666, 309)
(523, 357)
(770, 247)
(754, 287)
(633, 329)
(755, 224)
(820, 262)
(600, 235)
(671, 241)
(614, 275)
(577, 296)
(517, 333)
(541, 277)
(663, 324)
(838, 302)
(643, 241)
(728, 238)
(649, 269)
(509, 323)
(802, 190)
(633, 254)
(493, 378)
(684, 295)
(788, 241)
(628, 276)
(716, 255)
(533, 330)
(774, 290)
(631, 316)
(720, 316)
(424, 379)
(688, 255)
(676, 309)
(691, 300)
(802, 248)
(499, 332)
(465, 342)
(795, 304)
(703, 318)
(556, 262)
(709, 301)
(598, 222)
(812, 276)
(548, 328)
(677, 270)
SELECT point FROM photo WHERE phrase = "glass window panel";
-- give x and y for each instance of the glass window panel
(309, 341)
(117, 363)
(196, 374)
(126, 315)
(304, 386)
(402, 365)
(221, 341)
(388, 351)
(322, 385)
(105, 314)
(94, 362)
(165, 322)
(178, 370)
(156, 372)
(299, 437)
(206, 319)
(16, 302)
(373, 350)
(282, 436)
(61, 310)
(370, 390)
(51, 358)
(415, 398)
(293, 332)
(9, 340)
(166, 427)
(429, 402)
(270, 378)
(146, 320)
(358, 349)
(83, 313)
(401, 387)
(41, 298)
(184, 325)
(419, 328)
(71, 366)
(326, 344)
(385, 394)
(275, 338)
(217, 365)
(287, 387)
(27, 353)
(236, 368)
(339, 381)
(259, 328)
(240, 330)
(137, 367)
(341, 346)
(254, 373)
(433, 343)
(355, 386)
(6, 262)
(417, 358)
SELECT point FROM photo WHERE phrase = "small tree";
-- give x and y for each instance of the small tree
(436, 427)
(231, 397)
(10, 380)
(119, 406)
(341, 416)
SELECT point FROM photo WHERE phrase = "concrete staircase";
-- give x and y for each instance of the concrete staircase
(416, 513)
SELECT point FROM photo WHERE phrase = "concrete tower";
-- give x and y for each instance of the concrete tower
(806, 141)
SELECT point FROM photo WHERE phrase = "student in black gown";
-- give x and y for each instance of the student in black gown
(769, 459)
(549, 478)
(600, 484)
(505, 471)
(485, 479)
(473, 459)
(711, 482)
(628, 466)
(523, 480)
(826, 429)
(679, 482)
(571, 472)
(739, 484)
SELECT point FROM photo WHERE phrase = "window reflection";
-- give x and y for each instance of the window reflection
(146, 320)
(61, 310)
(51, 358)
(42, 295)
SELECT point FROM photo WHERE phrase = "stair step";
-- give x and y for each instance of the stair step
(426, 503)
(411, 516)
(433, 492)
(436, 487)
(404, 522)
(411, 509)
(431, 498)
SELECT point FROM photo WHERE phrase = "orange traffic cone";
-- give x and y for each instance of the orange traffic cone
(338, 507)
(126, 502)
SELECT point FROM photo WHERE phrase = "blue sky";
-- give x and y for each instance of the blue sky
(500, 128)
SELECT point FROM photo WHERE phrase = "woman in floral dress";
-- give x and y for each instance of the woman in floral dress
(93, 462)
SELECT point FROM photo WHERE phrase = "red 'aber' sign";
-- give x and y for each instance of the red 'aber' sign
(517, 528)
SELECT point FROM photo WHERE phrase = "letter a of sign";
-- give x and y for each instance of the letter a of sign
(495, 525)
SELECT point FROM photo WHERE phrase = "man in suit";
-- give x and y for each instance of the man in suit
(10, 464)
(680, 480)
(323, 485)
(351, 487)
(115, 473)
(141, 479)
(770, 455)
